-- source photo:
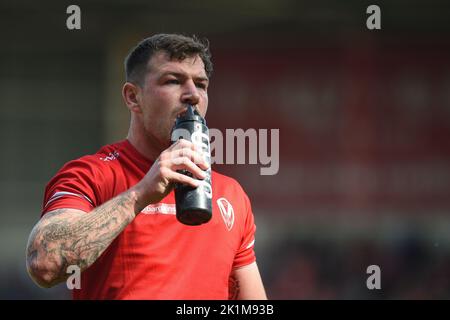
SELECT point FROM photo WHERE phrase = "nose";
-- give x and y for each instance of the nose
(190, 94)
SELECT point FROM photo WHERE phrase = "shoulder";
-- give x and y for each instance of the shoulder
(95, 163)
(226, 186)
(223, 181)
(88, 177)
(93, 170)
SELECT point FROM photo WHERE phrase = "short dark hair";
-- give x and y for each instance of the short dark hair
(176, 45)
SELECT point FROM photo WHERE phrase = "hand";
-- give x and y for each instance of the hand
(160, 179)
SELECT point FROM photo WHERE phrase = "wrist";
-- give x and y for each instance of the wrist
(138, 199)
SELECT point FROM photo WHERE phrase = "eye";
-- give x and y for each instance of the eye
(201, 85)
(172, 81)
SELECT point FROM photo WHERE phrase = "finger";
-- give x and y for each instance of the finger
(194, 156)
(175, 177)
(203, 152)
(184, 163)
(182, 143)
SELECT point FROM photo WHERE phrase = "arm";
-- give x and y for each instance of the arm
(72, 237)
(246, 283)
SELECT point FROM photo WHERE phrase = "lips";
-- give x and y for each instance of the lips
(183, 110)
(180, 112)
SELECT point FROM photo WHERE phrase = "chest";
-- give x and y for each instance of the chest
(156, 233)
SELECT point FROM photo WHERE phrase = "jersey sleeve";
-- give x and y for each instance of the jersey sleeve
(246, 253)
(75, 186)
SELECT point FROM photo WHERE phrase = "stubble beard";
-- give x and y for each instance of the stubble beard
(161, 139)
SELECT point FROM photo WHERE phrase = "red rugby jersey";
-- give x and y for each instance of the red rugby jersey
(155, 257)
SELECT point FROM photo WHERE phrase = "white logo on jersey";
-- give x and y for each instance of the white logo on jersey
(160, 208)
(226, 209)
(112, 156)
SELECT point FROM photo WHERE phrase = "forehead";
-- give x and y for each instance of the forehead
(161, 63)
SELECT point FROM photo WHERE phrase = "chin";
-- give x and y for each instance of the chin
(167, 141)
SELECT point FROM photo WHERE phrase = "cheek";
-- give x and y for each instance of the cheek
(204, 105)
(157, 103)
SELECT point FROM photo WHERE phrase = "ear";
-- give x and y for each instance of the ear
(131, 94)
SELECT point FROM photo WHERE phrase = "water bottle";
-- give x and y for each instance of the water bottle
(193, 205)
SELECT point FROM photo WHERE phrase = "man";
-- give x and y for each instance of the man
(112, 214)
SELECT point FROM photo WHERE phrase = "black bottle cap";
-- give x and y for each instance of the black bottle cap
(191, 114)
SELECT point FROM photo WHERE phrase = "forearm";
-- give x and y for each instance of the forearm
(61, 240)
(245, 284)
(72, 237)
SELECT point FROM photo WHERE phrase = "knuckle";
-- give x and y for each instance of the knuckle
(163, 171)
(164, 155)
(175, 161)
(185, 160)
(183, 152)
(198, 160)
(184, 142)
(190, 154)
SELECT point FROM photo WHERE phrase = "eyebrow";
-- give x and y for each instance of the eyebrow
(183, 75)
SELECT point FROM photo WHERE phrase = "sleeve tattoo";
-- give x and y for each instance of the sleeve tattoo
(78, 239)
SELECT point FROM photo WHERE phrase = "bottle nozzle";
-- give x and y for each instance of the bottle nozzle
(191, 110)
(191, 114)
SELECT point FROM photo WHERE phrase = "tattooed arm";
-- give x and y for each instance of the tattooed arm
(71, 237)
(245, 284)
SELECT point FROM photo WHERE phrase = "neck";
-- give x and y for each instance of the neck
(144, 144)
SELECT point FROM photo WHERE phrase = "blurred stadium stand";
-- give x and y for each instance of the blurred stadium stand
(364, 119)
